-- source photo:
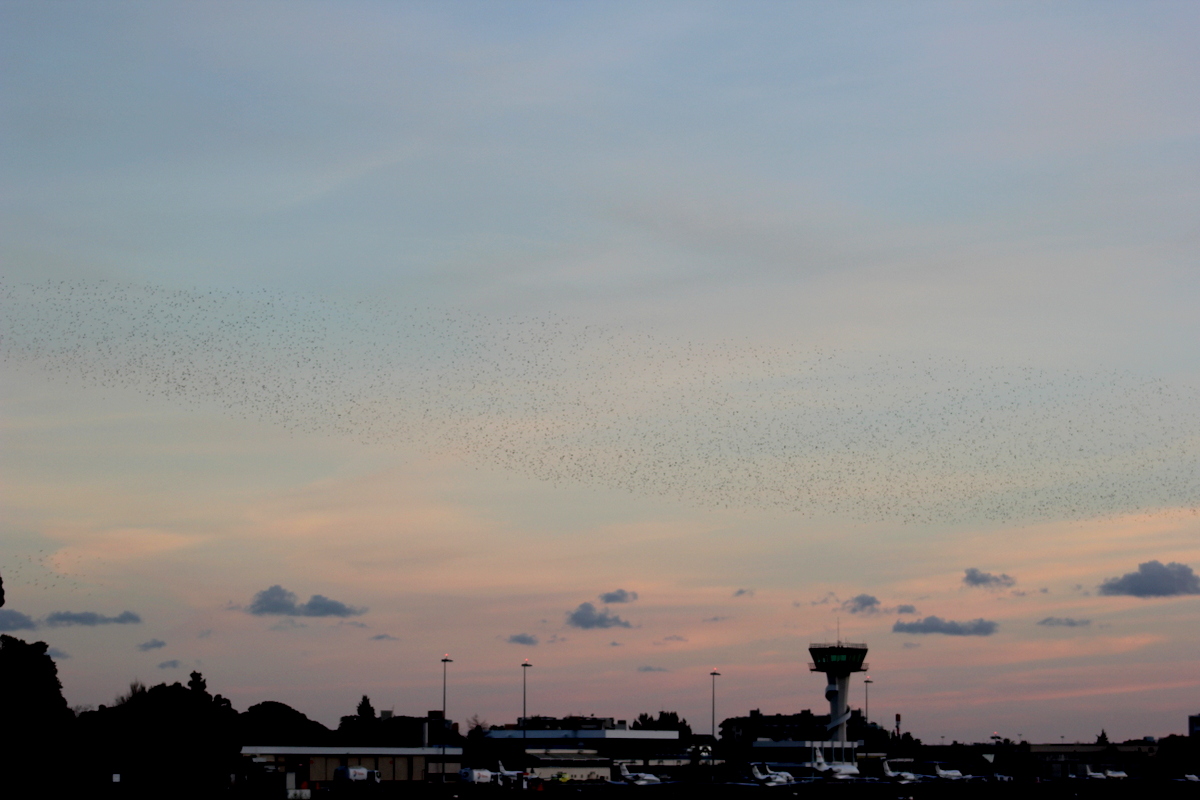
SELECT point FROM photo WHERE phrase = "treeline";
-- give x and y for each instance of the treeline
(168, 735)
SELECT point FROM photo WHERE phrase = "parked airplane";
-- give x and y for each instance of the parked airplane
(901, 777)
(470, 775)
(839, 772)
(951, 774)
(511, 777)
(638, 778)
(769, 777)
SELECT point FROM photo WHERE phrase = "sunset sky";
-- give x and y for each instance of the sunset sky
(634, 339)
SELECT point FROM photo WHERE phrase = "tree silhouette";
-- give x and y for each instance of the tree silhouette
(136, 687)
(277, 723)
(31, 699)
(666, 721)
(151, 736)
(365, 710)
(1102, 738)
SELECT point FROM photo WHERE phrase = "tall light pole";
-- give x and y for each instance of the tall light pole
(445, 661)
(714, 675)
(525, 665)
(867, 686)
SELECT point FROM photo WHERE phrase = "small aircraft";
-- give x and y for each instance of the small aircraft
(471, 775)
(766, 776)
(1115, 774)
(1090, 774)
(901, 777)
(511, 777)
(950, 774)
(836, 771)
(638, 778)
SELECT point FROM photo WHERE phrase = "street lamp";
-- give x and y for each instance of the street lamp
(714, 675)
(525, 665)
(867, 688)
(445, 661)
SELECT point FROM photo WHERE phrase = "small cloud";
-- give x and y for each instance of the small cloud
(714, 619)
(91, 618)
(555, 639)
(1154, 579)
(862, 604)
(975, 627)
(829, 597)
(987, 580)
(15, 621)
(55, 653)
(153, 644)
(353, 623)
(277, 601)
(674, 638)
(1018, 593)
(204, 634)
(652, 669)
(614, 644)
(618, 596)
(321, 606)
(523, 638)
(383, 637)
(586, 616)
(905, 608)
(287, 624)
(911, 645)
(744, 593)
(172, 664)
(1064, 622)
(1044, 590)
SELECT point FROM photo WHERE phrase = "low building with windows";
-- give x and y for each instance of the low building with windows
(309, 768)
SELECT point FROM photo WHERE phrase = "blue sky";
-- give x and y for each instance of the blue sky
(467, 315)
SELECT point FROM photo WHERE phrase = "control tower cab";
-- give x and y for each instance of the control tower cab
(837, 660)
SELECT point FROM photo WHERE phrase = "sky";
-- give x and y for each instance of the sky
(636, 340)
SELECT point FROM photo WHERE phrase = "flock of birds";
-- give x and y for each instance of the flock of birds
(927, 439)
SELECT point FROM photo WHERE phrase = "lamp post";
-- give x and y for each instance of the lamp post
(445, 661)
(867, 687)
(525, 665)
(714, 675)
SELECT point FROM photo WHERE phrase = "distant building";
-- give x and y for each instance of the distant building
(578, 728)
(1055, 761)
(760, 727)
(579, 748)
(311, 768)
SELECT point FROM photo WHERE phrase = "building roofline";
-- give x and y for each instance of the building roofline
(586, 733)
(293, 750)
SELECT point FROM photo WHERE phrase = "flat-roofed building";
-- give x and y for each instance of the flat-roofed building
(311, 767)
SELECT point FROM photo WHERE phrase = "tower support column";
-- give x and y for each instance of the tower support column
(838, 660)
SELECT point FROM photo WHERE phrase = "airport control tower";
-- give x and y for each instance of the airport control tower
(837, 660)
